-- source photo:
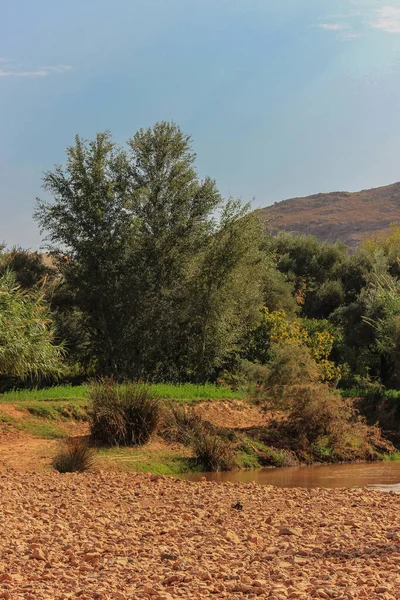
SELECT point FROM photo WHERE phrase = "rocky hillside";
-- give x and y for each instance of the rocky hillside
(338, 216)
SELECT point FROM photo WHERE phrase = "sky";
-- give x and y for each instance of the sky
(283, 98)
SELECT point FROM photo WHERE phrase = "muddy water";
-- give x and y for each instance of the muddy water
(383, 475)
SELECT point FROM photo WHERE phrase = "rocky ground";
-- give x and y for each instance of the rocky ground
(120, 536)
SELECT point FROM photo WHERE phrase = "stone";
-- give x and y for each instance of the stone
(232, 537)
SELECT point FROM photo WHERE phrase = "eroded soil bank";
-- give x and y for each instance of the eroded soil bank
(121, 536)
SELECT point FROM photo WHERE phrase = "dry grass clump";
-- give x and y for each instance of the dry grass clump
(213, 452)
(211, 449)
(122, 415)
(74, 456)
(181, 424)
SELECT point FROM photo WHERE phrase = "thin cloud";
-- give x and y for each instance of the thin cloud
(344, 31)
(349, 35)
(333, 26)
(387, 19)
(8, 71)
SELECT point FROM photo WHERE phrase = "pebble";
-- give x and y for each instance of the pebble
(118, 536)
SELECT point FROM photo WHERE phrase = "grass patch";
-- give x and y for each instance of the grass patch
(188, 392)
(59, 392)
(40, 429)
(392, 457)
(253, 454)
(57, 411)
(195, 393)
(162, 460)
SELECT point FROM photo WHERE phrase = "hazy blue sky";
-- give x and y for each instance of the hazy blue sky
(282, 97)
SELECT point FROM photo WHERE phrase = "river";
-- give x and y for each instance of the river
(378, 475)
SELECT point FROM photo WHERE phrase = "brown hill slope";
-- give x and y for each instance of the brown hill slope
(338, 216)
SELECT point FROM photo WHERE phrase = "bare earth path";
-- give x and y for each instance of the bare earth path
(124, 536)
(24, 452)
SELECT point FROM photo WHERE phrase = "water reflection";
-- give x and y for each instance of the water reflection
(379, 475)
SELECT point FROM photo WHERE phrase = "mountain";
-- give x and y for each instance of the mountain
(337, 216)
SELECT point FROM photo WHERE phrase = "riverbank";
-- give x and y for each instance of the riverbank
(120, 536)
(33, 424)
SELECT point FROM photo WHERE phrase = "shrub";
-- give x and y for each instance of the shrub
(74, 456)
(122, 415)
(245, 376)
(212, 452)
(322, 425)
(212, 447)
(291, 364)
(181, 424)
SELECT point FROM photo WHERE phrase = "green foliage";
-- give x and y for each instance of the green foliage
(74, 456)
(385, 247)
(138, 223)
(122, 415)
(292, 364)
(26, 332)
(313, 266)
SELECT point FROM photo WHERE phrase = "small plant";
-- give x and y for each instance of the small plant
(213, 453)
(212, 447)
(74, 456)
(122, 415)
(180, 424)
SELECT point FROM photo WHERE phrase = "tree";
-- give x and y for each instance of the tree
(90, 231)
(26, 333)
(139, 242)
(314, 268)
(228, 288)
(275, 328)
(382, 303)
(385, 245)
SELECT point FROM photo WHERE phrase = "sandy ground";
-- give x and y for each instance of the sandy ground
(236, 414)
(24, 452)
(125, 536)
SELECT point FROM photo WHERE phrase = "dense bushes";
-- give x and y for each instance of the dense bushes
(318, 422)
(122, 415)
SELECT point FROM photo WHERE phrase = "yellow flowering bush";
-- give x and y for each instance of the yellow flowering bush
(276, 327)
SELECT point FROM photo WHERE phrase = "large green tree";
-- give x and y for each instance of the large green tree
(153, 258)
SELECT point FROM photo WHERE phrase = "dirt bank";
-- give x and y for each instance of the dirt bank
(116, 536)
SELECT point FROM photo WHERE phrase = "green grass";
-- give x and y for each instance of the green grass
(391, 457)
(146, 460)
(60, 392)
(43, 430)
(363, 393)
(253, 454)
(188, 392)
(32, 425)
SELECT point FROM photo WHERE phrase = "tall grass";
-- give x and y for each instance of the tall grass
(122, 415)
(74, 456)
